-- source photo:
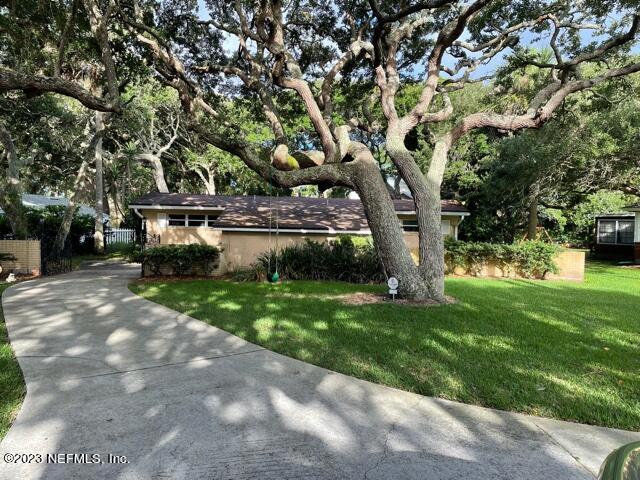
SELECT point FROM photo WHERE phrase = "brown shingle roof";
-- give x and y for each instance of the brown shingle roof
(293, 212)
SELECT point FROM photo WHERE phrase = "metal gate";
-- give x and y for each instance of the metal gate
(53, 263)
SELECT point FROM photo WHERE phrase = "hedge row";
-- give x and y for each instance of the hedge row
(529, 259)
(181, 259)
(353, 259)
(348, 259)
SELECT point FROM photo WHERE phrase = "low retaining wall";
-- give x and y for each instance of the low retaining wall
(570, 267)
(27, 253)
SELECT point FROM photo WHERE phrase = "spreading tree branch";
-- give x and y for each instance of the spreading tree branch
(37, 84)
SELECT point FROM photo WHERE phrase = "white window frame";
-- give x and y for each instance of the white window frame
(445, 227)
(618, 231)
(616, 221)
(164, 219)
(412, 220)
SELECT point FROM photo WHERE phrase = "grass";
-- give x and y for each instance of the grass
(558, 349)
(12, 388)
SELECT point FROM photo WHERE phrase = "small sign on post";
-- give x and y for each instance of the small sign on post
(392, 283)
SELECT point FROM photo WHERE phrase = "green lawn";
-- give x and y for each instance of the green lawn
(557, 349)
(12, 387)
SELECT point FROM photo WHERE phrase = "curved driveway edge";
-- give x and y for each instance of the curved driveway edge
(108, 372)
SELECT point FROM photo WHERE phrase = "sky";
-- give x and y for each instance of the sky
(527, 38)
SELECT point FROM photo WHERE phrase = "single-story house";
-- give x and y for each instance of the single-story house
(240, 224)
(39, 202)
(618, 235)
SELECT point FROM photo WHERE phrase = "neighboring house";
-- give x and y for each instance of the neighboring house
(618, 235)
(240, 224)
(41, 201)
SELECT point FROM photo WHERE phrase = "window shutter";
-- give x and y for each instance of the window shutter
(162, 220)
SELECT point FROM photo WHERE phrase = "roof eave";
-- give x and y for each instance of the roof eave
(177, 207)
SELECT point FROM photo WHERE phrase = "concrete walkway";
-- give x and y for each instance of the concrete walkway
(108, 372)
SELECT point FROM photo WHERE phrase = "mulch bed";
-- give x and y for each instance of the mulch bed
(20, 277)
(358, 298)
(363, 298)
(175, 278)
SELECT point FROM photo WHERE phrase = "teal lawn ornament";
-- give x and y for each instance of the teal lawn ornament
(275, 276)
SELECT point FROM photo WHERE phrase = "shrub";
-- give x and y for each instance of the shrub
(355, 260)
(254, 273)
(345, 259)
(530, 259)
(183, 259)
(6, 257)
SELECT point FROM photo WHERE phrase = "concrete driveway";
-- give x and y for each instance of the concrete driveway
(108, 372)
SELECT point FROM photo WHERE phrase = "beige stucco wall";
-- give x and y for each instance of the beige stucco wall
(411, 238)
(570, 265)
(241, 249)
(27, 253)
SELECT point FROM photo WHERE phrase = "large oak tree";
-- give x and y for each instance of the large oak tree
(307, 48)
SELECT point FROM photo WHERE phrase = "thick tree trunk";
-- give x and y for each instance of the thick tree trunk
(432, 266)
(208, 181)
(387, 233)
(11, 188)
(79, 186)
(98, 236)
(65, 226)
(210, 184)
(157, 170)
(532, 223)
(425, 190)
(115, 206)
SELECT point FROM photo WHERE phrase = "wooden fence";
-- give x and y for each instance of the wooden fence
(27, 254)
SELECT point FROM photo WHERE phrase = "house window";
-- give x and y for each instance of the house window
(410, 225)
(625, 232)
(211, 220)
(184, 220)
(615, 232)
(177, 220)
(197, 220)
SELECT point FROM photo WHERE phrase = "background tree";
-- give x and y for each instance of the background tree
(149, 127)
(587, 148)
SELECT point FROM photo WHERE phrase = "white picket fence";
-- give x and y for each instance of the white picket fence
(120, 235)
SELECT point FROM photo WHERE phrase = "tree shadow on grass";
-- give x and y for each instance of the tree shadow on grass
(553, 349)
